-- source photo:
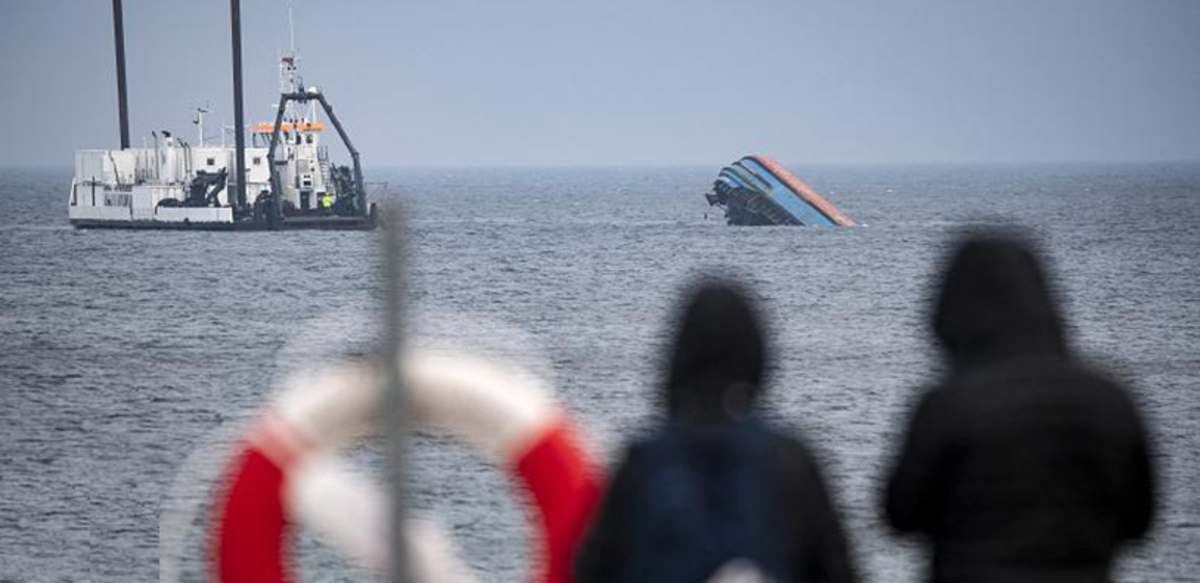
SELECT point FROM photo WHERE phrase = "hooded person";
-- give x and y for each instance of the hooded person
(1021, 465)
(715, 494)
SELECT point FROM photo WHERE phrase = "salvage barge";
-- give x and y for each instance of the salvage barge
(287, 179)
(758, 191)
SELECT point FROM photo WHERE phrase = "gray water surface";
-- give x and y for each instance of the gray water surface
(122, 353)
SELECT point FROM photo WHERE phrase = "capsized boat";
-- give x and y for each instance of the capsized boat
(758, 191)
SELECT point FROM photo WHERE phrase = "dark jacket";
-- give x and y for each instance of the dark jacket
(714, 375)
(1022, 465)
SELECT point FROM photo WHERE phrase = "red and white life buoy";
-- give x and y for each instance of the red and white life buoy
(285, 470)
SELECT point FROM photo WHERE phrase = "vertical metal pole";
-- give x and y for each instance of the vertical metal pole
(239, 121)
(273, 219)
(394, 291)
(122, 103)
(362, 188)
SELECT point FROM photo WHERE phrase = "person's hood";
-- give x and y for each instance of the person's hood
(717, 359)
(995, 303)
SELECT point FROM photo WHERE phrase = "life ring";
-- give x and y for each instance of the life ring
(284, 470)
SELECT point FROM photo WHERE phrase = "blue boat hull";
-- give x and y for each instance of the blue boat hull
(755, 191)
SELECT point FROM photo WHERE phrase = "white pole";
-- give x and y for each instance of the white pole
(291, 31)
(200, 111)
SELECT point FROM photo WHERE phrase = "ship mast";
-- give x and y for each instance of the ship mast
(289, 77)
(239, 119)
(291, 30)
(122, 102)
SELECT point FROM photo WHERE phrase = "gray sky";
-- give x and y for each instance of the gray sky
(557, 82)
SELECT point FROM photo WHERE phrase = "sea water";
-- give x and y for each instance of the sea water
(128, 360)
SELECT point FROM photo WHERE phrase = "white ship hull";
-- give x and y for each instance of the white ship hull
(154, 187)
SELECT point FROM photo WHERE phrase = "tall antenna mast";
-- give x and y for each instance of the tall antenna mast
(288, 82)
(291, 30)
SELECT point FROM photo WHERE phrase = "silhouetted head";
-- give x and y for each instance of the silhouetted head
(717, 360)
(995, 303)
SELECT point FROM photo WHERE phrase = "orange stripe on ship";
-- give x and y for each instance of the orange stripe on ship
(805, 191)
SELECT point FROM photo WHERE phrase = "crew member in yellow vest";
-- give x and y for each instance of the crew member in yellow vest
(327, 201)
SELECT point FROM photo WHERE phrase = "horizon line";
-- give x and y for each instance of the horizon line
(589, 165)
